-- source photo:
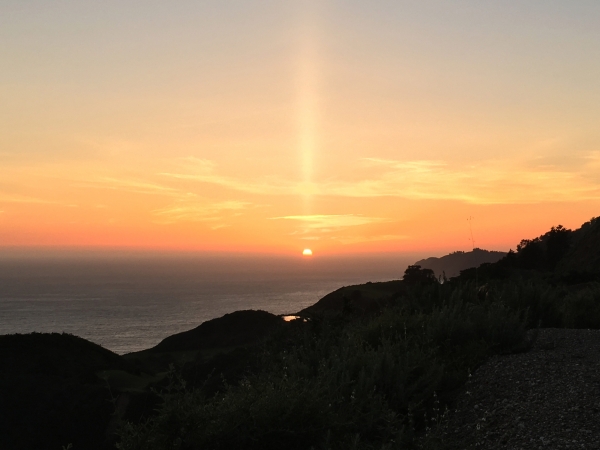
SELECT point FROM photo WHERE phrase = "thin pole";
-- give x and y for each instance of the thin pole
(470, 220)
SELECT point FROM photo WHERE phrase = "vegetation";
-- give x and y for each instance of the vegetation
(372, 366)
(352, 382)
(370, 380)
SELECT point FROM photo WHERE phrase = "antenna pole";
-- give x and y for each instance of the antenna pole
(470, 220)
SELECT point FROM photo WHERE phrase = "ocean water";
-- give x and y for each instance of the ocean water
(130, 304)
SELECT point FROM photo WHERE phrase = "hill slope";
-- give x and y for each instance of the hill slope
(452, 264)
(234, 329)
(50, 395)
(584, 252)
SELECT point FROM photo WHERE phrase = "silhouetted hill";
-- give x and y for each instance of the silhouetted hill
(57, 389)
(452, 264)
(50, 395)
(231, 330)
(56, 354)
(358, 299)
(563, 254)
(584, 252)
(60, 389)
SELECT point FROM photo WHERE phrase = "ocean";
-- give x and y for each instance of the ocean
(131, 303)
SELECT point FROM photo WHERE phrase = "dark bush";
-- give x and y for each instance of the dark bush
(344, 384)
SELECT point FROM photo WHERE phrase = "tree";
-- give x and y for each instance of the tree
(417, 275)
(558, 243)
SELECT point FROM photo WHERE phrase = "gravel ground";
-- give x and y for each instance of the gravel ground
(546, 398)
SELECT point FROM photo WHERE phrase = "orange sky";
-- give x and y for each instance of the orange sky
(269, 127)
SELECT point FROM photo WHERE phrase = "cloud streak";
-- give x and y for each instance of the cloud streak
(204, 171)
(325, 222)
(488, 182)
(376, 238)
(201, 211)
(484, 183)
(338, 228)
(131, 185)
(10, 198)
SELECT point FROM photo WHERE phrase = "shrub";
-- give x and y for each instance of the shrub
(338, 384)
(366, 382)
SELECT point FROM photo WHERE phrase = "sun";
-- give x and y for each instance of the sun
(307, 252)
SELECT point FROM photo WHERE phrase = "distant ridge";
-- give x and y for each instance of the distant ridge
(452, 264)
(566, 256)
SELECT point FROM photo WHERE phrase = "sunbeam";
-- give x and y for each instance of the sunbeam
(307, 95)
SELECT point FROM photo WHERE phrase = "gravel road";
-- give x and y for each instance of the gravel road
(547, 398)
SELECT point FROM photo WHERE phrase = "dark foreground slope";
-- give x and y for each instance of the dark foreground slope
(59, 389)
(374, 365)
(360, 299)
(49, 392)
(548, 397)
(231, 330)
(365, 367)
(214, 353)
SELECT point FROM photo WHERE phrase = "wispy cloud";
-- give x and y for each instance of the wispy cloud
(490, 182)
(131, 185)
(324, 222)
(375, 238)
(593, 159)
(11, 198)
(485, 182)
(204, 171)
(193, 210)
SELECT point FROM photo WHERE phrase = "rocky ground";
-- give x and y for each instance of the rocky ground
(546, 398)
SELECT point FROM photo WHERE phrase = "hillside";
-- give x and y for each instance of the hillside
(361, 299)
(451, 265)
(584, 252)
(563, 255)
(231, 330)
(50, 394)
(366, 364)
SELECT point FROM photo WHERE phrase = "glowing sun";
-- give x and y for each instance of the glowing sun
(307, 252)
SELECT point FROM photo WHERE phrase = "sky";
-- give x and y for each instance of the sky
(274, 126)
